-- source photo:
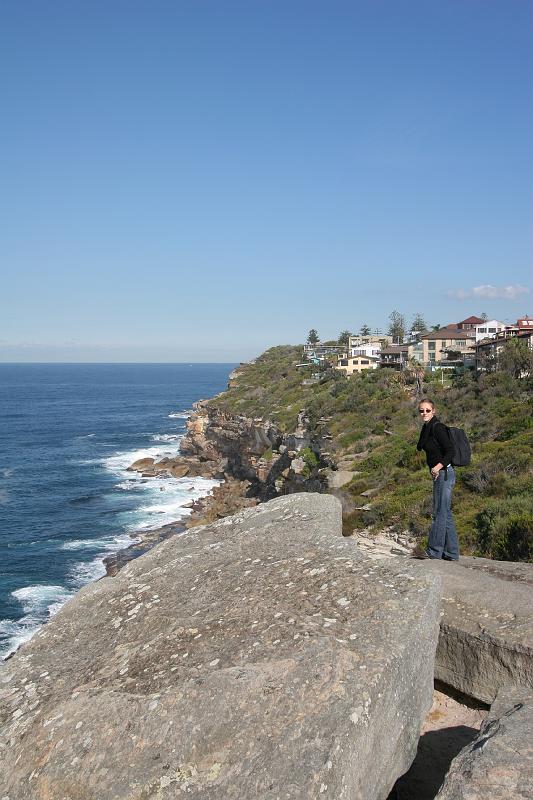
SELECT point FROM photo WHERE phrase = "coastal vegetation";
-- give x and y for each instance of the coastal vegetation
(369, 421)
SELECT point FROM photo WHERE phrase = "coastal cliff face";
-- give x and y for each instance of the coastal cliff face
(256, 451)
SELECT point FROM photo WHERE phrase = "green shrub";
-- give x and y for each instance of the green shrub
(505, 529)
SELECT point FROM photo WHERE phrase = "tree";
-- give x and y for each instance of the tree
(484, 317)
(365, 330)
(419, 323)
(344, 338)
(516, 358)
(312, 337)
(397, 326)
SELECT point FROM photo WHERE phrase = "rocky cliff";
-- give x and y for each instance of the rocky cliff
(255, 450)
(255, 459)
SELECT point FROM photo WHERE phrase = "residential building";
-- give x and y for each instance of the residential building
(449, 347)
(488, 350)
(488, 328)
(469, 324)
(371, 349)
(318, 352)
(351, 365)
(525, 323)
(359, 341)
(396, 356)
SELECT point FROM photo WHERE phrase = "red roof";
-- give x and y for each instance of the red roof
(471, 321)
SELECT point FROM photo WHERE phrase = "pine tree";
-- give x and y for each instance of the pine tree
(344, 338)
(397, 327)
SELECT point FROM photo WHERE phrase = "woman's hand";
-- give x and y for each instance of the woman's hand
(435, 470)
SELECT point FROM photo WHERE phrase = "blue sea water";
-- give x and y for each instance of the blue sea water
(67, 434)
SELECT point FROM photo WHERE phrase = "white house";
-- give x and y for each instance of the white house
(488, 329)
(369, 349)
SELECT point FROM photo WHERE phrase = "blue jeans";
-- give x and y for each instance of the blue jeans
(442, 534)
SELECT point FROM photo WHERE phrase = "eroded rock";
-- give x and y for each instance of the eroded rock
(261, 656)
(486, 639)
(498, 764)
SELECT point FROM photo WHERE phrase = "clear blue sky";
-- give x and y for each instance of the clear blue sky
(197, 181)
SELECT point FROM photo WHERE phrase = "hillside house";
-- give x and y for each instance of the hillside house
(470, 323)
(488, 350)
(356, 341)
(450, 346)
(396, 356)
(355, 364)
(488, 329)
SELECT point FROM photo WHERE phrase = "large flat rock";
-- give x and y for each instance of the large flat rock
(498, 764)
(258, 657)
(486, 639)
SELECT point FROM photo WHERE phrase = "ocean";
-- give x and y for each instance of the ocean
(67, 434)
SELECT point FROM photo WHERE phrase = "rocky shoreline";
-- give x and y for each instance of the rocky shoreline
(251, 458)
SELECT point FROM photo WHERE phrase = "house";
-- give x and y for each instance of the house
(525, 323)
(396, 356)
(350, 364)
(488, 350)
(488, 328)
(450, 346)
(356, 341)
(319, 352)
(470, 323)
(370, 349)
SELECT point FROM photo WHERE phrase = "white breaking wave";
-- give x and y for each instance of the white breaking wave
(120, 462)
(165, 501)
(167, 437)
(39, 603)
(109, 544)
(180, 414)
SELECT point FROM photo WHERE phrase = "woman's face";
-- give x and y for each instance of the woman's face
(426, 411)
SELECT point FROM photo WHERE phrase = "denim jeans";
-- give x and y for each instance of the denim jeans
(442, 534)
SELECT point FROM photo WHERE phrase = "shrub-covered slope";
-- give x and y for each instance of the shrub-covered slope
(372, 421)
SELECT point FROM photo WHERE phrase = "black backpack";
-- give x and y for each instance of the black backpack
(462, 452)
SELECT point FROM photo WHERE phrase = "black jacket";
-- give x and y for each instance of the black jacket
(435, 440)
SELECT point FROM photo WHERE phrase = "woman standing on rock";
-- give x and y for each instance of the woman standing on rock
(437, 444)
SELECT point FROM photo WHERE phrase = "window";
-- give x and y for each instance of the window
(343, 362)
(492, 330)
(432, 345)
(364, 362)
(482, 330)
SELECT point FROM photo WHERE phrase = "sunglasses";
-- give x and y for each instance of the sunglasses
(425, 410)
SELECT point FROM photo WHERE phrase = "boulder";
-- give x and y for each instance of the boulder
(261, 656)
(340, 478)
(179, 471)
(141, 464)
(486, 639)
(498, 764)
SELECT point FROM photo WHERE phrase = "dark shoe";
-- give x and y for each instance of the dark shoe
(419, 553)
(449, 558)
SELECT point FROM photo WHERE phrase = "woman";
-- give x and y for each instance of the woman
(435, 441)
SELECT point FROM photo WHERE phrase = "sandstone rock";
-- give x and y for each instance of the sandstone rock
(258, 657)
(486, 639)
(340, 478)
(179, 471)
(298, 465)
(498, 764)
(141, 464)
